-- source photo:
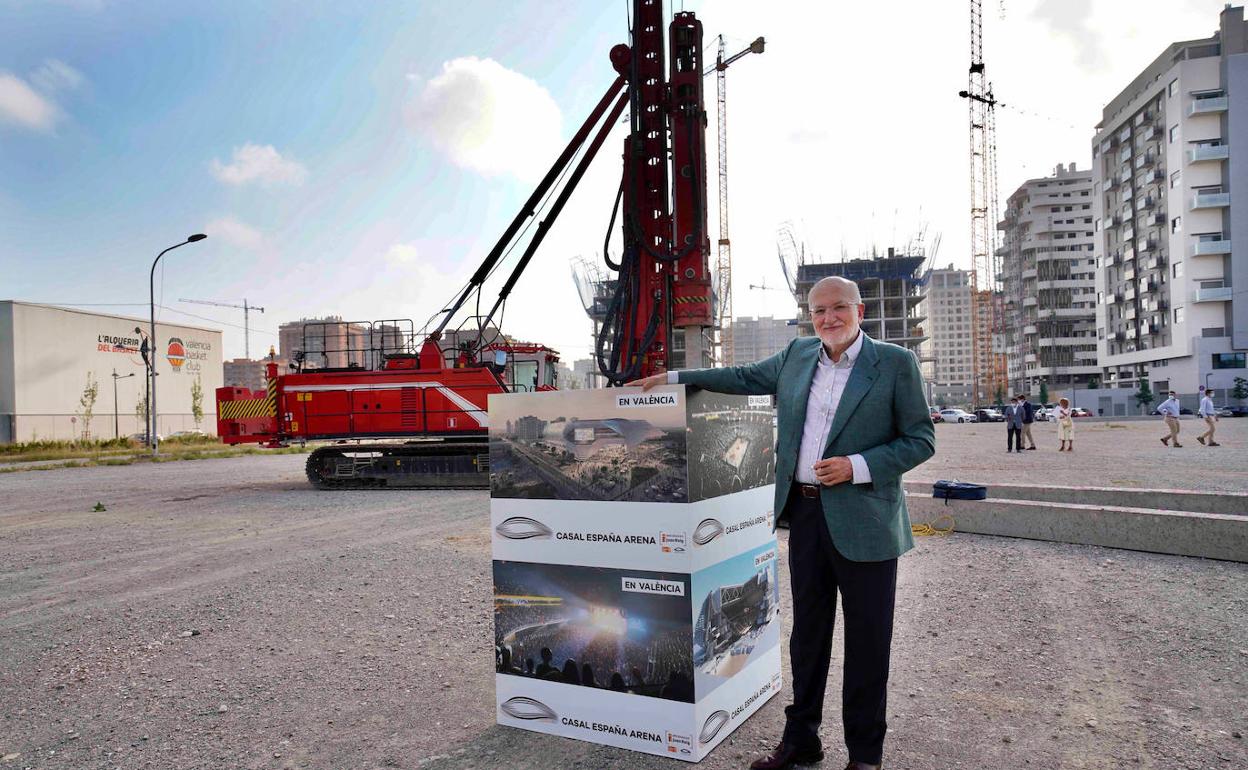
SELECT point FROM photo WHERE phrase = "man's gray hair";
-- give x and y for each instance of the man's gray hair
(838, 281)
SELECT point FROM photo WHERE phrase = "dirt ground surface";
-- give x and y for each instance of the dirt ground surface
(223, 614)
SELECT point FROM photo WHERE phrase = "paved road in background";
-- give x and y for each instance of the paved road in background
(223, 614)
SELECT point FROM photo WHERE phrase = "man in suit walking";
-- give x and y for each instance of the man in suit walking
(1029, 419)
(852, 419)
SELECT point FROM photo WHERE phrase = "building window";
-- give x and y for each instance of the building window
(1174, 179)
(1177, 270)
(1178, 315)
(1230, 360)
(1173, 88)
(1174, 131)
(1176, 224)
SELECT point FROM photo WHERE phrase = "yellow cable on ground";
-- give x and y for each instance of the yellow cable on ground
(930, 528)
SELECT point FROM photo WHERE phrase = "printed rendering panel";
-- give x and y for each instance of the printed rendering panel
(731, 443)
(736, 606)
(611, 629)
(619, 444)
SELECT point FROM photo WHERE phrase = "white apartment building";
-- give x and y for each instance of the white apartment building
(754, 339)
(1171, 204)
(1049, 280)
(947, 354)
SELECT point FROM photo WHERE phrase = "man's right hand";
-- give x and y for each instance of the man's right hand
(647, 383)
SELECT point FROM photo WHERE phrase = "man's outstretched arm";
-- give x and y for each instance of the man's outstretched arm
(760, 378)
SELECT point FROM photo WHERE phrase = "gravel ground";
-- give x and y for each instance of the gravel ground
(222, 614)
(1107, 454)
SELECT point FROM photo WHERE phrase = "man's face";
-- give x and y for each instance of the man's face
(836, 315)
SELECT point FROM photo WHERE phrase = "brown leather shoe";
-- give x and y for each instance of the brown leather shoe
(786, 756)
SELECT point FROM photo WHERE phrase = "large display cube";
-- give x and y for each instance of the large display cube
(636, 598)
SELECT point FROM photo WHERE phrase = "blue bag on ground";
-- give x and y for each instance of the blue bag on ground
(959, 490)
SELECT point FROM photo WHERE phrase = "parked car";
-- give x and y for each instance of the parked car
(936, 416)
(1233, 411)
(141, 437)
(956, 415)
(988, 415)
(186, 433)
(1182, 410)
(1079, 411)
(1041, 414)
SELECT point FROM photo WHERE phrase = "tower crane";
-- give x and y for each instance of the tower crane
(988, 321)
(723, 261)
(246, 308)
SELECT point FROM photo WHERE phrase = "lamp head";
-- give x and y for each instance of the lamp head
(196, 237)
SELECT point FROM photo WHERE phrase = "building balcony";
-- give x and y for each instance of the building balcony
(1154, 263)
(1129, 294)
(1129, 313)
(1216, 294)
(1203, 248)
(1029, 301)
(1208, 104)
(1111, 221)
(1029, 358)
(1147, 159)
(1030, 329)
(1204, 152)
(1128, 274)
(1157, 218)
(1147, 244)
(1211, 200)
(1149, 202)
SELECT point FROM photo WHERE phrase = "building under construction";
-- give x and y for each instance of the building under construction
(892, 289)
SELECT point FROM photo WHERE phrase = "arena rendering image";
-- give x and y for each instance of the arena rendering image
(624, 445)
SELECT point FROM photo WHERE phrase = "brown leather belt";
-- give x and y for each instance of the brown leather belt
(807, 490)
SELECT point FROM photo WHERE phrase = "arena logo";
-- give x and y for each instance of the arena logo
(176, 353)
(528, 709)
(706, 531)
(113, 343)
(713, 725)
(523, 528)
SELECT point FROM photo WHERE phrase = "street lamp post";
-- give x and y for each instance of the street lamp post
(151, 298)
(116, 376)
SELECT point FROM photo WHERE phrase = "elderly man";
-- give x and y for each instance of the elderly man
(852, 420)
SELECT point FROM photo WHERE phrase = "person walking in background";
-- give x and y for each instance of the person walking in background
(1013, 426)
(1169, 410)
(1210, 415)
(1029, 417)
(1065, 425)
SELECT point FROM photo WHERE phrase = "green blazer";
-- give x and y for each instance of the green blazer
(882, 415)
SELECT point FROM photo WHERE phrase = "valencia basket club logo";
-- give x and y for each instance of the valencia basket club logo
(707, 530)
(528, 709)
(711, 727)
(176, 353)
(523, 528)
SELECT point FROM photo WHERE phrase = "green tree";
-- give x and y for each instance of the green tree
(1144, 396)
(1094, 382)
(1044, 392)
(86, 404)
(197, 401)
(1240, 391)
(140, 412)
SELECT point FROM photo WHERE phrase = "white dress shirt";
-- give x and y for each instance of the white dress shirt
(1206, 407)
(1169, 407)
(826, 390)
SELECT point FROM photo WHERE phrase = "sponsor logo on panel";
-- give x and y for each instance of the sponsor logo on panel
(523, 528)
(672, 542)
(528, 709)
(679, 744)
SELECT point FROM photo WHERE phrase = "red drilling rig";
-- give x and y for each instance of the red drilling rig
(403, 413)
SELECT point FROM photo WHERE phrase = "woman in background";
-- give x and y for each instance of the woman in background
(1065, 426)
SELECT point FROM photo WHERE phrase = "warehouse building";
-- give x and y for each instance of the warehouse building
(50, 355)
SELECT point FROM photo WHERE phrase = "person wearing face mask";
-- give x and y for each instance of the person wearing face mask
(1169, 410)
(852, 419)
(1014, 426)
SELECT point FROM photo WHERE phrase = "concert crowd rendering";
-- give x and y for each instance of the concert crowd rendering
(576, 626)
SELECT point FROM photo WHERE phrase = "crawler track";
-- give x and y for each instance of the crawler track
(416, 465)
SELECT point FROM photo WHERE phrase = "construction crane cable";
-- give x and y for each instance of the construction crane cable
(606, 239)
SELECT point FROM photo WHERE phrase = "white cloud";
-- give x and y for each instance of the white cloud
(235, 233)
(262, 164)
(402, 254)
(55, 75)
(21, 104)
(488, 118)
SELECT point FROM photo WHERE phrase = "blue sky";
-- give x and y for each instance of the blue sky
(360, 159)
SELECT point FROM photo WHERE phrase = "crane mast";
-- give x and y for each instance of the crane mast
(988, 321)
(246, 308)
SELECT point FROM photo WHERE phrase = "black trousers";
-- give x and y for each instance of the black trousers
(818, 571)
(1014, 438)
